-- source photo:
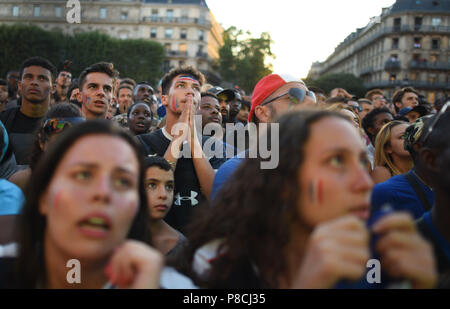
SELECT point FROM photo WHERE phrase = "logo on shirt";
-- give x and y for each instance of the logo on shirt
(191, 198)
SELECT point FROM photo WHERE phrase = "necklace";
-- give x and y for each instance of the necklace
(421, 180)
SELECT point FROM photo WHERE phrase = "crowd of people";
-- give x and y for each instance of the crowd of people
(169, 186)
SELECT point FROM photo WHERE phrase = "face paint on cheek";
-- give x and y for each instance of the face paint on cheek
(316, 192)
(174, 104)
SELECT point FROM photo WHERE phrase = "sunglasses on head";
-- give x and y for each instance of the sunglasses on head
(296, 96)
(57, 125)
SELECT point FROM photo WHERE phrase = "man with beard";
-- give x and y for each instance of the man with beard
(96, 85)
(63, 82)
(225, 96)
(35, 85)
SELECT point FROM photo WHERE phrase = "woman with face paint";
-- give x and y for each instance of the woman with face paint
(302, 224)
(84, 224)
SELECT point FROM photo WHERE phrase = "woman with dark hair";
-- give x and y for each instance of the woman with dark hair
(57, 119)
(302, 224)
(86, 202)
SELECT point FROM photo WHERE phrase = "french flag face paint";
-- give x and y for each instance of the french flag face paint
(316, 192)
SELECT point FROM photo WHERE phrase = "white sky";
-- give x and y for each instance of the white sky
(303, 31)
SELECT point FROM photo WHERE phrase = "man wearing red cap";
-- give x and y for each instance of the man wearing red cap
(273, 95)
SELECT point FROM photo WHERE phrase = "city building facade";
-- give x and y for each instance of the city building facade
(407, 45)
(187, 28)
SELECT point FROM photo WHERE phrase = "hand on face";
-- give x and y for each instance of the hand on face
(134, 265)
(403, 252)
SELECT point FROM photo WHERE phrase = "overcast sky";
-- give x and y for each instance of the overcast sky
(303, 31)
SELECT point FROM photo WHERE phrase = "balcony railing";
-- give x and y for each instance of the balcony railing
(406, 83)
(176, 53)
(424, 65)
(380, 33)
(201, 55)
(366, 71)
(176, 20)
(392, 65)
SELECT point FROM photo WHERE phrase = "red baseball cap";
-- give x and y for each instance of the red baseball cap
(266, 86)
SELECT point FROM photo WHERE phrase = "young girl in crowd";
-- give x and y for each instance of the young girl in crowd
(391, 158)
(86, 201)
(140, 118)
(160, 184)
(302, 224)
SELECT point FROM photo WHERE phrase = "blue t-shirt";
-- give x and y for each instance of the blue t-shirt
(224, 173)
(398, 193)
(11, 198)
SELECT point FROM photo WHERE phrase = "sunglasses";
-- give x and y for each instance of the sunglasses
(296, 96)
(57, 125)
(436, 119)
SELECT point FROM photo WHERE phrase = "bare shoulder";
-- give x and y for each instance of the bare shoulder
(380, 174)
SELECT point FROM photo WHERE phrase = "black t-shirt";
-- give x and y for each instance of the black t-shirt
(440, 248)
(21, 133)
(187, 193)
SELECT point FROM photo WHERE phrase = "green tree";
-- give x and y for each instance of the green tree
(138, 59)
(354, 85)
(244, 60)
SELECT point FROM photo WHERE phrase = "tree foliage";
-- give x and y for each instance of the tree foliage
(136, 58)
(349, 82)
(244, 59)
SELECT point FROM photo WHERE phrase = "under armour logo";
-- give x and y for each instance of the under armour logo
(191, 198)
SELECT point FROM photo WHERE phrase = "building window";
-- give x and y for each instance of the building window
(181, 63)
(184, 19)
(435, 43)
(102, 13)
(416, 57)
(183, 34)
(413, 76)
(417, 23)
(436, 21)
(431, 96)
(200, 35)
(124, 15)
(433, 58)
(166, 66)
(183, 49)
(58, 11)
(154, 15)
(169, 16)
(417, 43)
(15, 11)
(395, 43)
(397, 24)
(153, 32)
(432, 78)
(36, 11)
(169, 32)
